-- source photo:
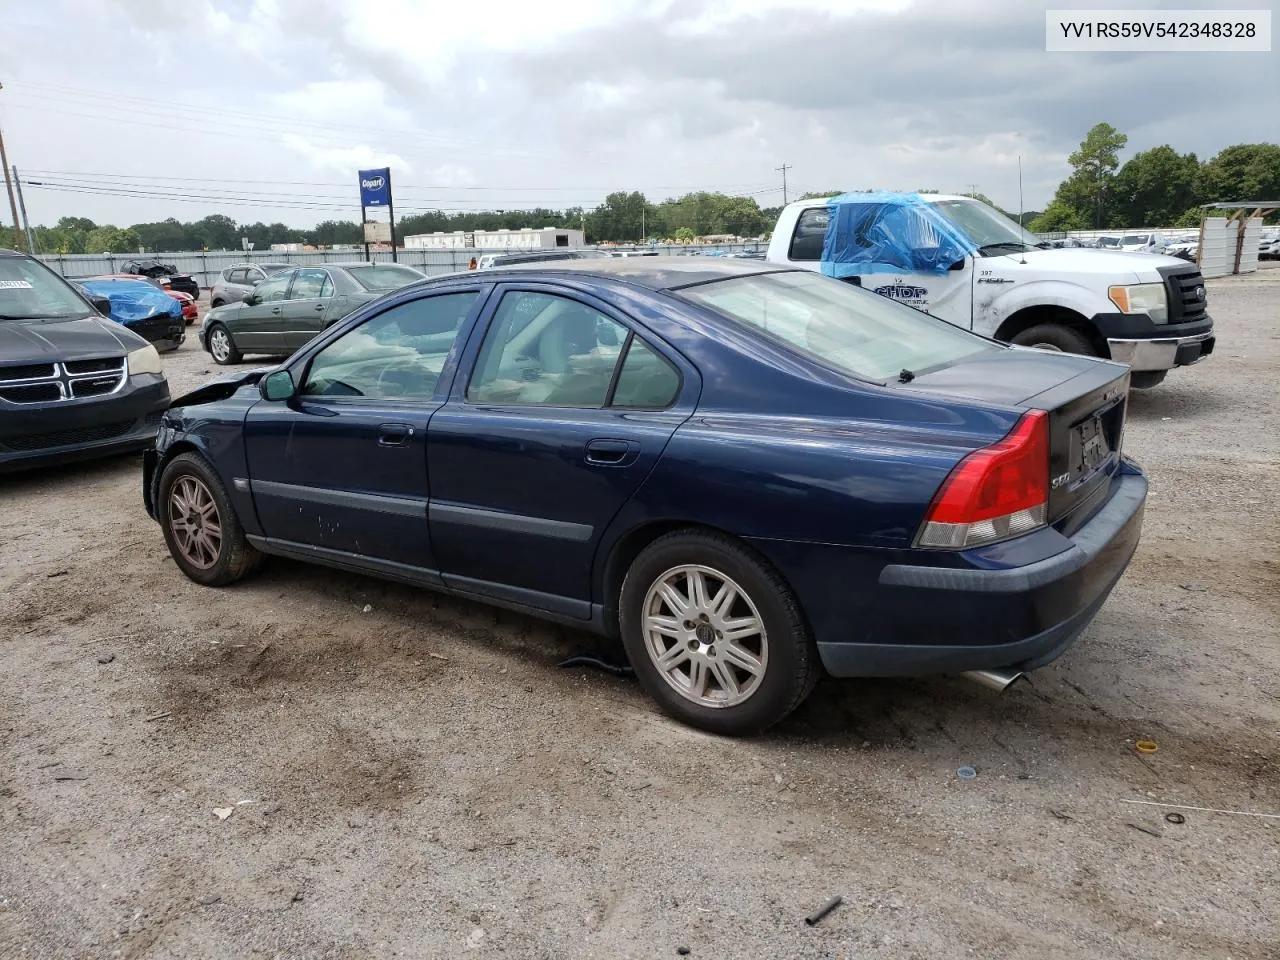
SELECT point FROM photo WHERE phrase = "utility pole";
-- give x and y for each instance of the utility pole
(783, 169)
(4, 162)
(22, 205)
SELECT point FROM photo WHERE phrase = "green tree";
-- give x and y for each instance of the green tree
(1058, 217)
(329, 233)
(1244, 172)
(684, 234)
(164, 235)
(622, 217)
(1190, 218)
(215, 232)
(109, 239)
(1088, 190)
(820, 194)
(1154, 188)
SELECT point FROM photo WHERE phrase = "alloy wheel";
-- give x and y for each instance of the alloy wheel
(705, 636)
(220, 344)
(194, 521)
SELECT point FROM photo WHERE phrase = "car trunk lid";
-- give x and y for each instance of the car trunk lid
(1086, 401)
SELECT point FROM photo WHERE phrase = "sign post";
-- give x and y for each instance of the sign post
(375, 191)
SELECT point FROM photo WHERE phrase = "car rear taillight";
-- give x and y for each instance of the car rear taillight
(997, 492)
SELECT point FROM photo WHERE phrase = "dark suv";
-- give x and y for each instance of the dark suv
(73, 384)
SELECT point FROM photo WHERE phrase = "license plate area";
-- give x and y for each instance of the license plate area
(1091, 450)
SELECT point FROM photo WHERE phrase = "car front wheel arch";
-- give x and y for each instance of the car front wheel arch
(1050, 316)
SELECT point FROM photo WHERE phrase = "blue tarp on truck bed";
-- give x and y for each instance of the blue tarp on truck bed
(889, 233)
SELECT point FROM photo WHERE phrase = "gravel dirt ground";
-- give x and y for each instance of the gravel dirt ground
(313, 764)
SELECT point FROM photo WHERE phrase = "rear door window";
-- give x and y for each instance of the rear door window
(546, 349)
(810, 234)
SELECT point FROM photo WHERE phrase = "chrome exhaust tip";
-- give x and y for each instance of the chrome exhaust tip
(997, 680)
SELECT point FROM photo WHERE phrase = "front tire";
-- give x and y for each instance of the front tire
(1054, 336)
(221, 347)
(715, 635)
(201, 529)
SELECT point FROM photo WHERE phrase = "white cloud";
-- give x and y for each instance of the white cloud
(344, 160)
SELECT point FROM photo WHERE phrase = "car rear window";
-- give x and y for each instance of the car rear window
(851, 329)
(384, 277)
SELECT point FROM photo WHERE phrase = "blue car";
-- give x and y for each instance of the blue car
(748, 474)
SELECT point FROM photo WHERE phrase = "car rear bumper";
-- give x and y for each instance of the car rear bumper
(958, 619)
(165, 332)
(63, 432)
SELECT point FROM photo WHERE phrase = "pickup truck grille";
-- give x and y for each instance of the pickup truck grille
(54, 382)
(1187, 299)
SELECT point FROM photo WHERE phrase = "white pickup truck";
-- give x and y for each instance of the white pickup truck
(965, 262)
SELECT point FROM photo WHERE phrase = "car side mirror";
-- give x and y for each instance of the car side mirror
(959, 264)
(277, 385)
(102, 305)
(251, 300)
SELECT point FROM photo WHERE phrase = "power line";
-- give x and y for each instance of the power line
(151, 177)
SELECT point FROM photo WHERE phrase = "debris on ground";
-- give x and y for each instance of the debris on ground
(1148, 830)
(814, 918)
(106, 658)
(1146, 746)
(1062, 816)
(1175, 818)
(598, 663)
(222, 812)
(966, 773)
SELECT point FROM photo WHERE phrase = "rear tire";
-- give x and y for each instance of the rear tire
(1146, 379)
(1054, 336)
(747, 661)
(201, 529)
(221, 347)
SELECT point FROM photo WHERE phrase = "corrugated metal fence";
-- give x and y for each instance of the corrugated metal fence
(205, 266)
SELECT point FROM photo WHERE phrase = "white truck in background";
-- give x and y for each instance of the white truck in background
(1148, 311)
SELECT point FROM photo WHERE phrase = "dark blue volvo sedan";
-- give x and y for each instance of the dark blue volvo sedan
(747, 474)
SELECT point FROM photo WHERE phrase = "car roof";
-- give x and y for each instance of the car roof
(655, 273)
(348, 264)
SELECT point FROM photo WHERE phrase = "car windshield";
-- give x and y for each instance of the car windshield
(988, 229)
(30, 290)
(383, 277)
(854, 330)
(1133, 239)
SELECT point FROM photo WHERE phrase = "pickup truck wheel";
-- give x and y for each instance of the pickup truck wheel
(1146, 379)
(222, 347)
(200, 526)
(1054, 336)
(715, 635)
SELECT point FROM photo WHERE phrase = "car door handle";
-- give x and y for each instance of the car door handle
(612, 453)
(275, 309)
(394, 434)
(319, 306)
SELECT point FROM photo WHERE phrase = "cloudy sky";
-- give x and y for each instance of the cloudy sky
(133, 110)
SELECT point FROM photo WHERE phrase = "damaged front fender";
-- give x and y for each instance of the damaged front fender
(221, 388)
